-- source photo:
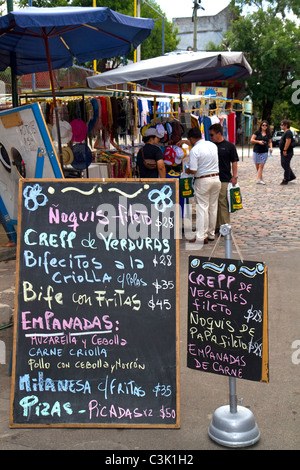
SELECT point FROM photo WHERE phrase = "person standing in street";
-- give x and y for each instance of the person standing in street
(286, 152)
(228, 168)
(262, 141)
(204, 166)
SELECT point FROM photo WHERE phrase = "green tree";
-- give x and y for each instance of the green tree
(288, 107)
(278, 7)
(2, 5)
(271, 44)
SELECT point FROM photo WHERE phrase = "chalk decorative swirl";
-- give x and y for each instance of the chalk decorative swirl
(130, 196)
(85, 193)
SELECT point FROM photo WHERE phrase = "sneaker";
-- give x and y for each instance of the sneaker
(260, 182)
(284, 182)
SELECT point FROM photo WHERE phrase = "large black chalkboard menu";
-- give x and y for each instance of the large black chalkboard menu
(96, 318)
(227, 318)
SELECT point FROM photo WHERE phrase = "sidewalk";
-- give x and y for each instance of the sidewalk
(267, 229)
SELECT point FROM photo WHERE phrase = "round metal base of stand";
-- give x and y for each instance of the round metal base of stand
(233, 429)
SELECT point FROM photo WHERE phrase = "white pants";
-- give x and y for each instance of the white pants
(206, 198)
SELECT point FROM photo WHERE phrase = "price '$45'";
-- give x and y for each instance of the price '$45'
(162, 304)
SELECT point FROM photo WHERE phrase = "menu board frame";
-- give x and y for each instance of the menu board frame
(168, 417)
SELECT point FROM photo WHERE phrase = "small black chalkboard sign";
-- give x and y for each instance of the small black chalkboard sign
(227, 318)
(96, 322)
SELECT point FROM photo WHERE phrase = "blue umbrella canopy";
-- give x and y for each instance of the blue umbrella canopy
(31, 36)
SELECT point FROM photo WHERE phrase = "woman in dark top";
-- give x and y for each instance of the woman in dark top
(262, 141)
(151, 151)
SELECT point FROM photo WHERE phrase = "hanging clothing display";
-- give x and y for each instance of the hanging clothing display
(108, 119)
(115, 115)
(227, 121)
(231, 128)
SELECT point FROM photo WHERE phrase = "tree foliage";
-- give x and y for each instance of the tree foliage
(278, 7)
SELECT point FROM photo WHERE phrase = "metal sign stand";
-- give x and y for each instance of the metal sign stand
(233, 425)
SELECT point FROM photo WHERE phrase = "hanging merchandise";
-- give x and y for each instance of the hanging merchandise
(179, 154)
(144, 111)
(169, 155)
(68, 156)
(206, 124)
(164, 108)
(162, 133)
(231, 128)
(65, 132)
(102, 141)
(79, 130)
(177, 131)
(82, 156)
(106, 122)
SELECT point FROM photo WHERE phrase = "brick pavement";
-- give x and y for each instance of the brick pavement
(270, 218)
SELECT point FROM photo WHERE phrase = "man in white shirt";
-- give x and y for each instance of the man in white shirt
(204, 164)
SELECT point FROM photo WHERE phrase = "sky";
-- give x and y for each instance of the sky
(184, 8)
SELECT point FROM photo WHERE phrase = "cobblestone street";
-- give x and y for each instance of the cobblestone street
(270, 218)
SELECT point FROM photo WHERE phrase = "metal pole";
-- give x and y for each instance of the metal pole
(94, 61)
(138, 14)
(228, 244)
(232, 395)
(195, 26)
(45, 37)
(163, 32)
(33, 74)
(14, 85)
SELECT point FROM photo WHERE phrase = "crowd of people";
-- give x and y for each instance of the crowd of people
(214, 164)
